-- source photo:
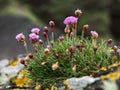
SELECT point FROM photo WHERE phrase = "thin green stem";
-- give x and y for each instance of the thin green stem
(25, 45)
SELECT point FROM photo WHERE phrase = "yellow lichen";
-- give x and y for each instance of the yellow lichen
(13, 63)
(112, 76)
(21, 79)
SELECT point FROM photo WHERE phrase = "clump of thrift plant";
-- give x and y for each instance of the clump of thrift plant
(68, 56)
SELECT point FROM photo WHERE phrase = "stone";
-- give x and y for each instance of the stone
(80, 83)
(10, 25)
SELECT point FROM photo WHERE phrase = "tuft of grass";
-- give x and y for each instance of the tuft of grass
(86, 61)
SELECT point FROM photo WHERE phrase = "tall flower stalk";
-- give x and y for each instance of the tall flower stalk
(21, 38)
(52, 24)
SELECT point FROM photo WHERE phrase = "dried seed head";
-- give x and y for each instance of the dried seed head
(43, 63)
(67, 31)
(55, 66)
(37, 87)
(47, 51)
(74, 68)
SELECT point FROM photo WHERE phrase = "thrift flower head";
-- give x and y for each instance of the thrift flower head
(35, 30)
(70, 20)
(94, 34)
(20, 37)
(33, 37)
(48, 46)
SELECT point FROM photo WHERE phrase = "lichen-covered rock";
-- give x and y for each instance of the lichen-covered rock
(80, 83)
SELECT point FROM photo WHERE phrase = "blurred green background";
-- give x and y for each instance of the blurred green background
(21, 15)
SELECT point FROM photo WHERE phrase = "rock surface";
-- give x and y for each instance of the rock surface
(80, 83)
(10, 25)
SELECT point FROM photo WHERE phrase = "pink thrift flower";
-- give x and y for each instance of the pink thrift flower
(70, 20)
(48, 46)
(35, 30)
(94, 34)
(20, 37)
(33, 37)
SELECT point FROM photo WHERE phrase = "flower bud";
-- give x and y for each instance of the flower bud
(85, 27)
(22, 61)
(30, 55)
(94, 34)
(57, 55)
(46, 29)
(78, 12)
(79, 45)
(51, 23)
(115, 48)
(55, 66)
(47, 51)
(71, 48)
(44, 34)
(29, 68)
(61, 38)
(51, 42)
(40, 41)
(109, 41)
(95, 48)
